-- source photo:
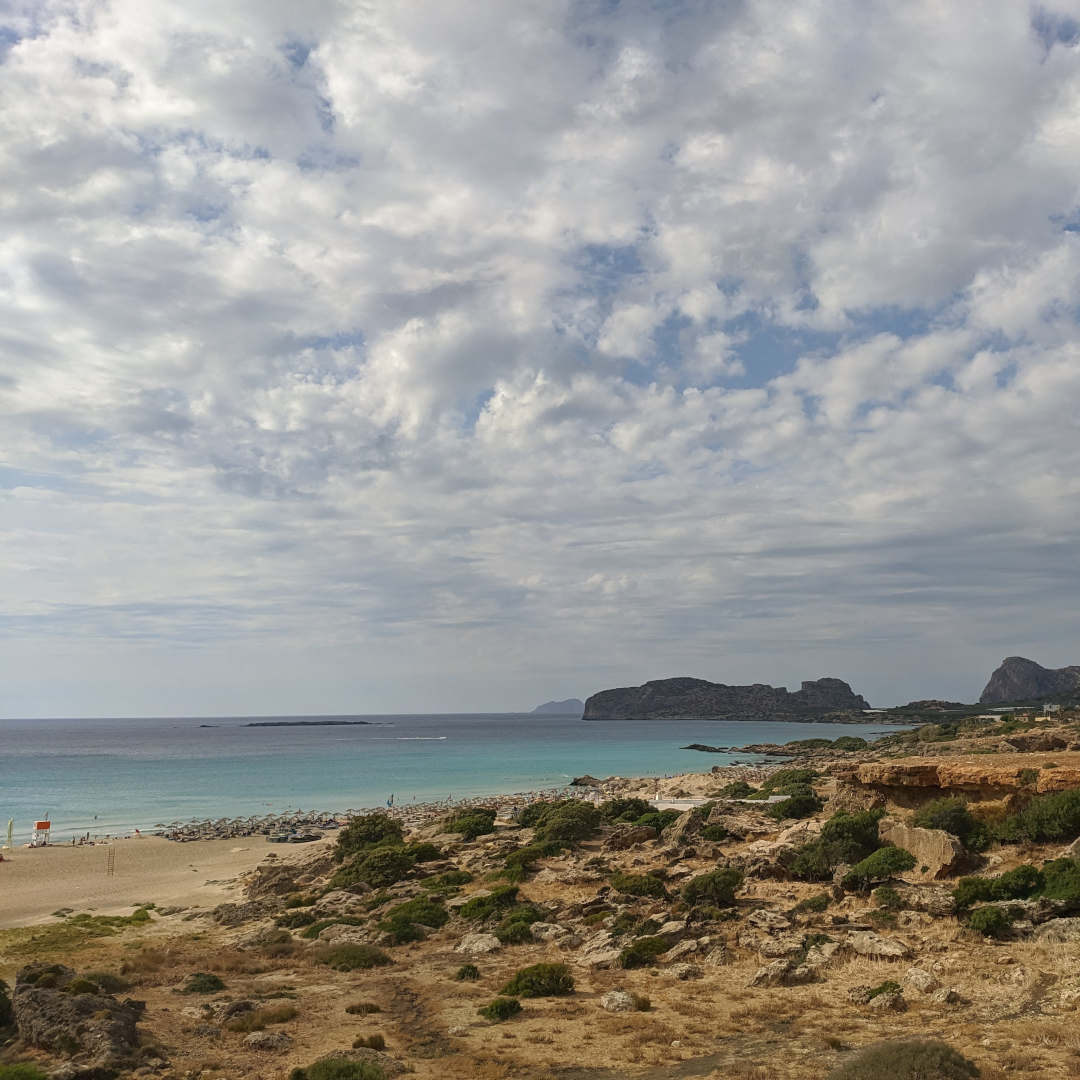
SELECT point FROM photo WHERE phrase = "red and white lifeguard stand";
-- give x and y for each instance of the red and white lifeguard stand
(41, 832)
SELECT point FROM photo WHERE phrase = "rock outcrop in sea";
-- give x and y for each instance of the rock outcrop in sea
(698, 699)
(570, 707)
(1020, 679)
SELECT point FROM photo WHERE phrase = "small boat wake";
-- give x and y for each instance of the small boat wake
(420, 738)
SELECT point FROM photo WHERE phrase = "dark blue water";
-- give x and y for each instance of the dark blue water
(110, 775)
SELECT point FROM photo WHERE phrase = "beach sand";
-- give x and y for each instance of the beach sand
(36, 882)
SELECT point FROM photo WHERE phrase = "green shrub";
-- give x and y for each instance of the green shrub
(1062, 880)
(624, 810)
(642, 952)
(108, 982)
(423, 852)
(1017, 884)
(401, 931)
(467, 973)
(502, 1008)
(879, 866)
(971, 890)
(378, 868)
(658, 819)
(801, 805)
(298, 900)
(483, 907)
(447, 882)
(372, 1042)
(786, 782)
(24, 1071)
(338, 1068)
(717, 888)
(849, 742)
(885, 896)
(524, 858)
(532, 815)
(421, 909)
(816, 903)
(952, 815)
(887, 987)
(570, 821)
(350, 957)
(845, 838)
(1053, 817)
(906, 1059)
(714, 833)
(365, 832)
(514, 927)
(991, 921)
(541, 980)
(737, 789)
(203, 983)
(472, 822)
(638, 885)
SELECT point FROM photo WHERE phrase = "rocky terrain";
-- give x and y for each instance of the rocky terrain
(1020, 679)
(925, 887)
(686, 698)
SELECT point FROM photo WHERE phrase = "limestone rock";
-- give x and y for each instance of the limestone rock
(478, 944)
(546, 931)
(1059, 931)
(860, 995)
(623, 837)
(617, 1001)
(770, 921)
(717, 957)
(96, 1026)
(876, 947)
(782, 945)
(939, 852)
(1018, 679)
(599, 951)
(782, 973)
(889, 1001)
(685, 971)
(921, 980)
(946, 996)
(268, 1040)
(684, 948)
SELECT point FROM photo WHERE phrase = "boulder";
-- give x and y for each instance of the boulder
(867, 943)
(685, 826)
(782, 973)
(623, 837)
(921, 980)
(684, 948)
(770, 921)
(946, 996)
(781, 945)
(1059, 931)
(685, 971)
(238, 914)
(268, 1040)
(889, 1001)
(599, 951)
(546, 931)
(717, 957)
(617, 1001)
(478, 944)
(937, 853)
(94, 1026)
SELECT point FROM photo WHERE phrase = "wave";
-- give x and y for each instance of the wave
(420, 738)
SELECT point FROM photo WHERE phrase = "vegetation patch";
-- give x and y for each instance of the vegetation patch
(378, 868)
(879, 866)
(626, 810)
(260, 1019)
(365, 832)
(541, 980)
(467, 973)
(639, 885)
(339, 1068)
(502, 1008)
(312, 931)
(483, 907)
(203, 982)
(907, 1059)
(351, 957)
(716, 888)
(472, 822)
(362, 1008)
(845, 838)
(642, 952)
(952, 815)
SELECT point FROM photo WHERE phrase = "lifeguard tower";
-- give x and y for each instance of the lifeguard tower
(41, 833)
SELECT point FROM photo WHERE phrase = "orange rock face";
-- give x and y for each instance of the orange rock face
(994, 775)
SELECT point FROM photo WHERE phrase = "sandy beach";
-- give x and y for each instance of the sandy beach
(36, 882)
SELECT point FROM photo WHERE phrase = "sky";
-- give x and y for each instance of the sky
(384, 355)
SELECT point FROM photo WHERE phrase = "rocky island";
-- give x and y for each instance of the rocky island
(570, 707)
(698, 699)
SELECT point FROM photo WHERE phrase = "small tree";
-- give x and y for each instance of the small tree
(716, 887)
(880, 866)
(907, 1059)
(366, 831)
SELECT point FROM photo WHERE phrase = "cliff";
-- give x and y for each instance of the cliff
(1020, 679)
(570, 707)
(697, 699)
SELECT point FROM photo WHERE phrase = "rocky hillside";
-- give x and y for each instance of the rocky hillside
(1020, 679)
(698, 699)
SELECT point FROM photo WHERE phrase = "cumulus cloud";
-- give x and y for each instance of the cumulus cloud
(389, 356)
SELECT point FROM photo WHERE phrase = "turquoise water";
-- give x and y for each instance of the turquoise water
(113, 775)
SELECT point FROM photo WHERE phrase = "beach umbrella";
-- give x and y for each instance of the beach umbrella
(10, 832)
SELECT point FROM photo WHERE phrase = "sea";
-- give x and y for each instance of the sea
(113, 776)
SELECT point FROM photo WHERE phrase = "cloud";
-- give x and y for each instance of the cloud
(440, 358)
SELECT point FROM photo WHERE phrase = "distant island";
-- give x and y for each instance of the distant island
(309, 723)
(698, 699)
(570, 707)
